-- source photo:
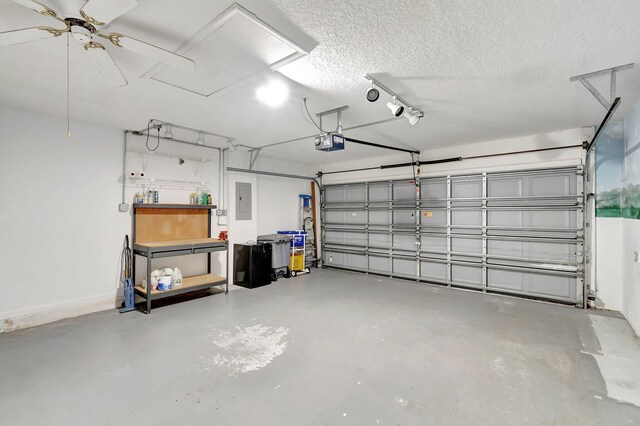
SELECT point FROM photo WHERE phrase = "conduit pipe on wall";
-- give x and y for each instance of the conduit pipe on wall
(144, 134)
(124, 165)
(221, 185)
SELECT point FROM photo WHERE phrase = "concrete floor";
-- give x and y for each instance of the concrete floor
(327, 348)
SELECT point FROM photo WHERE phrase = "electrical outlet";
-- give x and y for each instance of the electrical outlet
(221, 212)
(123, 207)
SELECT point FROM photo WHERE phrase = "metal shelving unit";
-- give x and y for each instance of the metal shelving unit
(516, 232)
(176, 230)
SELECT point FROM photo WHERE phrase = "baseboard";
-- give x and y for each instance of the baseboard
(57, 311)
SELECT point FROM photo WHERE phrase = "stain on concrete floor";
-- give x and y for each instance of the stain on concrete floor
(246, 349)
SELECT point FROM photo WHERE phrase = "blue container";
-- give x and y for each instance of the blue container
(297, 239)
(306, 199)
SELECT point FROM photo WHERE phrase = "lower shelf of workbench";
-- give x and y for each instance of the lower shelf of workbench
(189, 284)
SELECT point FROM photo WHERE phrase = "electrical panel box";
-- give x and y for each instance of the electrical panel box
(243, 201)
(329, 142)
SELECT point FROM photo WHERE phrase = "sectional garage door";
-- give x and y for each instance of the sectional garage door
(510, 232)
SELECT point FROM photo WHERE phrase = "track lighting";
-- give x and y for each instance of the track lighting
(168, 134)
(413, 116)
(372, 93)
(200, 140)
(396, 109)
(398, 106)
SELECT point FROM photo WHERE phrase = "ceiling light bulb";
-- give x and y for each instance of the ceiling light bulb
(396, 109)
(168, 133)
(273, 94)
(412, 116)
(200, 140)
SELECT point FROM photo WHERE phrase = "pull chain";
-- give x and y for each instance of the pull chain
(68, 92)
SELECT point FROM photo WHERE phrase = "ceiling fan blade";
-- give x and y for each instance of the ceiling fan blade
(105, 64)
(25, 35)
(40, 8)
(151, 51)
(101, 12)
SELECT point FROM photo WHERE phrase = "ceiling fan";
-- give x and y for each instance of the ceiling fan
(85, 28)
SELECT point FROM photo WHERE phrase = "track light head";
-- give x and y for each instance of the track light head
(396, 109)
(372, 94)
(168, 133)
(412, 116)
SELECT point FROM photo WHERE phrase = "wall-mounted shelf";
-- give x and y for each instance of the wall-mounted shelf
(137, 182)
(175, 206)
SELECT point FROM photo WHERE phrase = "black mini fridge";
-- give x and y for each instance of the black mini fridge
(251, 265)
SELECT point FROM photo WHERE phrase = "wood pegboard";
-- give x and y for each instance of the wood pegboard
(158, 224)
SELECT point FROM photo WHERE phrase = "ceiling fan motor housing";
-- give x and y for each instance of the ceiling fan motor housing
(81, 30)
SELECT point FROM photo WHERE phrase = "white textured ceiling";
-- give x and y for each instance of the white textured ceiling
(480, 70)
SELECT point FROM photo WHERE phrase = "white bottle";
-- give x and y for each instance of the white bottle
(176, 277)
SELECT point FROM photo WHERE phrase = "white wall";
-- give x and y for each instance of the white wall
(279, 208)
(62, 234)
(618, 274)
(631, 272)
(240, 231)
(274, 199)
(61, 231)
(618, 238)
(609, 271)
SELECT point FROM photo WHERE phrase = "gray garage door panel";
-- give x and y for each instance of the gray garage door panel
(517, 232)
(379, 193)
(563, 287)
(435, 217)
(436, 271)
(434, 190)
(380, 240)
(466, 245)
(402, 267)
(380, 265)
(433, 243)
(470, 275)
